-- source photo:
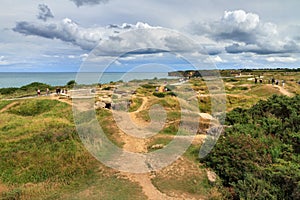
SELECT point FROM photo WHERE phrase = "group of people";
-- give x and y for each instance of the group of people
(38, 91)
(273, 81)
(276, 82)
(59, 91)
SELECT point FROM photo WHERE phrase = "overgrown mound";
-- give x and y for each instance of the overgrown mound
(34, 107)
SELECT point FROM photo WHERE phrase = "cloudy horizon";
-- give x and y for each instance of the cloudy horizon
(56, 37)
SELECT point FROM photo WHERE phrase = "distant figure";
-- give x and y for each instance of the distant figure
(38, 92)
(283, 82)
(129, 103)
(57, 91)
(276, 82)
(47, 91)
(156, 89)
(273, 81)
(255, 80)
(260, 81)
(269, 81)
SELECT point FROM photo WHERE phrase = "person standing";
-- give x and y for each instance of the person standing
(38, 92)
(283, 82)
(47, 91)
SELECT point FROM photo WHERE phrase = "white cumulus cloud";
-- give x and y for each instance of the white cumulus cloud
(242, 31)
(69, 31)
(281, 59)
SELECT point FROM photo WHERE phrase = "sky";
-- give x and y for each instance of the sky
(62, 36)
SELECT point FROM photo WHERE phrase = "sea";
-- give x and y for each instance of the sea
(18, 79)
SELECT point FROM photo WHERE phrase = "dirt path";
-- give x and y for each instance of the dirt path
(148, 188)
(139, 145)
(3, 188)
(284, 91)
(135, 144)
(8, 107)
(133, 115)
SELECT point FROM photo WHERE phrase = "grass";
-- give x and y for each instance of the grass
(109, 126)
(4, 103)
(33, 107)
(240, 101)
(158, 139)
(263, 91)
(136, 103)
(186, 177)
(42, 157)
(106, 185)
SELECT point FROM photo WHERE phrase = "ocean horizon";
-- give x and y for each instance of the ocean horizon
(18, 79)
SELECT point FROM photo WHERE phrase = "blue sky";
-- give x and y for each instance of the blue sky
(59, 36)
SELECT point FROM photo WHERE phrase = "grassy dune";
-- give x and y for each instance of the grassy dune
(42, 157)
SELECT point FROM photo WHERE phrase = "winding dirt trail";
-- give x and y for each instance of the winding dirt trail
(283, 91)
(148, 188)
(133, 115)
(8, 107)
(134, 144)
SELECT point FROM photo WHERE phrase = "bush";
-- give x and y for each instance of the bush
(6, 91)
(71, 83)
(34, 86)
(159, 94)
(258, 155)
(148, 86)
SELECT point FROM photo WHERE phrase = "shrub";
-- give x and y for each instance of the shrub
(71, 83)
(10, 90)
(148, 86)
(159, 94)
(258, 154)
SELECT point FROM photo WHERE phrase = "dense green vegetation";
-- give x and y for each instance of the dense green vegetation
(26, 90)
(258, 155)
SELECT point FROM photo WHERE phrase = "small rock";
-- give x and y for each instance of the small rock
(99, 105)
(157, 146)
(212, 176)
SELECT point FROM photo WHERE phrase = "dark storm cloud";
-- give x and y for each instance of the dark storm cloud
(44, 12)
(88, 2)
